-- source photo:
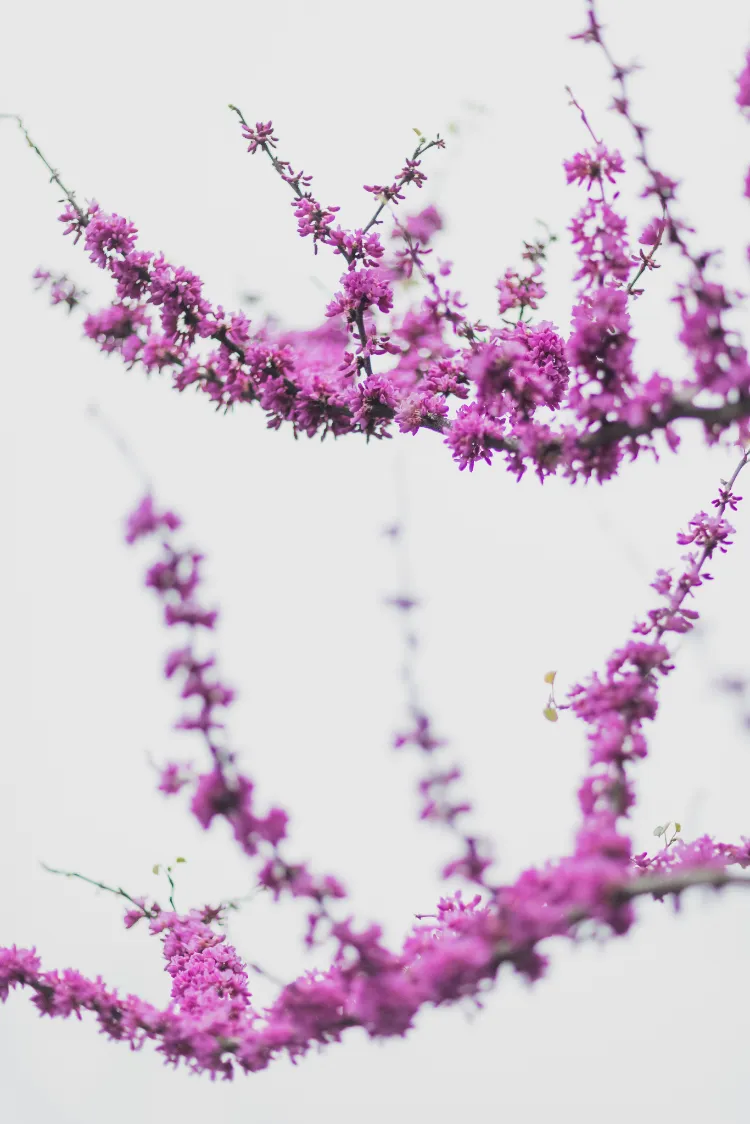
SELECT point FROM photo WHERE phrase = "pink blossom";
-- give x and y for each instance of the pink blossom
(598, 164)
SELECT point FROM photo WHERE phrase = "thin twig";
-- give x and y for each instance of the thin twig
(117, 891)
(54, 175)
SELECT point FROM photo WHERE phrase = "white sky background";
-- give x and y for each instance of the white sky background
(130, 105)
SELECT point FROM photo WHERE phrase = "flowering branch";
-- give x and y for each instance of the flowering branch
(309, 380)
(224, 791)
(661, 186)
(438, 805)
(572, 404)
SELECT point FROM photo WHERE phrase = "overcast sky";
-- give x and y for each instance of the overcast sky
(130, 103)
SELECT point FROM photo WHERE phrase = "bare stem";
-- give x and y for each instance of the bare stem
(54, 175)
(117, 891)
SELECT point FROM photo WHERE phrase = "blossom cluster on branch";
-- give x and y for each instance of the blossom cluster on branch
(211, 1024)
(574, 404)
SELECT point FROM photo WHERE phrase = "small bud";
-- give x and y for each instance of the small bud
(550, 714)
(550, 677)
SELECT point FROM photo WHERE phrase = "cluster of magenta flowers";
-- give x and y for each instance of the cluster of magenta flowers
(573, 404)
(210, 1023)
(221, 791)
(61, 289)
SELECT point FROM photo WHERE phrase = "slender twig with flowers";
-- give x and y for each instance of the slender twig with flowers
(606, 411)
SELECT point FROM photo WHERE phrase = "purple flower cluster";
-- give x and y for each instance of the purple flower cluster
(210, 1023)
(61, 289)
(223, 791)
(615, 706)
(374, 366)
(515, 291)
